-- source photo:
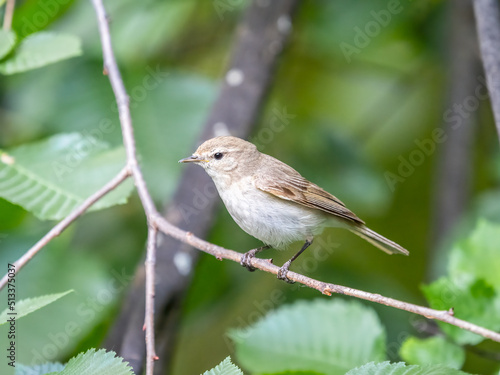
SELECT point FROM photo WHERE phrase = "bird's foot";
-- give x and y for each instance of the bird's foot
(283, 271)
(246, 259)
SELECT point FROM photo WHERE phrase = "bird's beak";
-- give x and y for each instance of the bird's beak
(192, 159)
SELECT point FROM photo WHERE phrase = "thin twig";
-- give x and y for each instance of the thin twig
(9, 13)
(63, 224)
(150, 292)
(325, 288)
(122, 100)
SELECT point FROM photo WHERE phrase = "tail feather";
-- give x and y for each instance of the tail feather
(379, 241)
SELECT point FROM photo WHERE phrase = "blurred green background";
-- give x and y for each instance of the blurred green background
(350, 120)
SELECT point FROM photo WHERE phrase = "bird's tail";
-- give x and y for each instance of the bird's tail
(379, 241)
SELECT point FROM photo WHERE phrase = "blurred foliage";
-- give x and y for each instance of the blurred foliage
(342, 116)
(432, 351)
(472, 286)
(28, 305)
(329, 337)
(51, 178)
(36, 51)
(387, 368)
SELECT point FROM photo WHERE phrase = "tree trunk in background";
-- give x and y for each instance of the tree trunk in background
(487, 14)
(261, 37)
(454, 160)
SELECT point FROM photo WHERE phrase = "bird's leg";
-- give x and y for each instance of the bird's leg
(245, 259)
(284, 268)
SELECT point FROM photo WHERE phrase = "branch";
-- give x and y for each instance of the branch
(9, 13)
(262, 34)
(63, 224)
(122, 101)
(325, 288)
(150, 291)
(488, 29)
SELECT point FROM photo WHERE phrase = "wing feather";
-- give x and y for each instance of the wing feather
(286, 183)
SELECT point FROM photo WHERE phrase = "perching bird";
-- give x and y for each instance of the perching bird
(272, 202)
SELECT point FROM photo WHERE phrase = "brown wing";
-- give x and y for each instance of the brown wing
(286, 183)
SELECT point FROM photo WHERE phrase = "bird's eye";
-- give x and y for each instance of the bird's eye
(218, 155)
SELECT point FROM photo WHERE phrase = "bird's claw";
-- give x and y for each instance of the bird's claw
(245, 260)
(283, 271)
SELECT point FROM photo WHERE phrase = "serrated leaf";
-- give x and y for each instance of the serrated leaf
(40, 49)
(472, 287)
(7, 41)
(472, 302)
(28, 305)
(297, 373)
(52, 177)
(432, 351)
(329, 337)
(96, 362)
(226, 367)
(387, 368)
(45, 369)
(479, 255)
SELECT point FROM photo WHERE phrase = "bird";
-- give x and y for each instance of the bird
(272, 202)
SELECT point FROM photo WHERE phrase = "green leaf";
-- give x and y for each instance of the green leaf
(226, 367)
(44, 369)
(40, 49)
(387, 368)
(96, 362)
(50, 178)
(472, 287)
(478, 256)
(7, 41)
(474, 301)
(329, 337)
(28, 305)
(297, 373)
(432, 351)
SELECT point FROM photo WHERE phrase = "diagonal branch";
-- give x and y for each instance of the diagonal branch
(63, 224)
(123, 103)
(325, 288)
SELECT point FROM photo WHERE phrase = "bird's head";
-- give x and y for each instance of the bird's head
(222, 156)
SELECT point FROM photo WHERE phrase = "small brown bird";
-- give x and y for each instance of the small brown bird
(272, 202)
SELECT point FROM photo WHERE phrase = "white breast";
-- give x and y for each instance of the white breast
(272, 220)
